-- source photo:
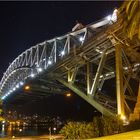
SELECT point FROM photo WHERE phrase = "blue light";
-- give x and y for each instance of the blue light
(21, 83)
(3, 97)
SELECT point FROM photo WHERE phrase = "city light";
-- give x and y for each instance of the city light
(54, 128)
(113, 17)
(3, 97)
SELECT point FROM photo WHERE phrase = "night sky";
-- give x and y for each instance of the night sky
(24, 24)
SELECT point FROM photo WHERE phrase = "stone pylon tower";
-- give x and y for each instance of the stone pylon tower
(136, 114)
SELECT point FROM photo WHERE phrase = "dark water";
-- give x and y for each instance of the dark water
(9, 131)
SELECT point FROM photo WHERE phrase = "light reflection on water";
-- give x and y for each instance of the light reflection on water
(11, 130)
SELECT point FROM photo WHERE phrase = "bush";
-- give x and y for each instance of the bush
(78, 130)
(101, 126)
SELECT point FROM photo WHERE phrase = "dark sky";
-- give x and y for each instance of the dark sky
(24, 24)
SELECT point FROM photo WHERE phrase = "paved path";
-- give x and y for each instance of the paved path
(45, 137)
(132, 135)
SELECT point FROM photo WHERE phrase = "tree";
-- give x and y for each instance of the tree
(131, 17)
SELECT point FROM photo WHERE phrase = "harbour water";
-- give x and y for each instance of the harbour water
(19, 131)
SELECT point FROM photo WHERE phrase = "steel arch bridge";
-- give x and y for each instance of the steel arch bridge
(97, 62)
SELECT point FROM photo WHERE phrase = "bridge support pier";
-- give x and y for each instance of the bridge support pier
(119, 81)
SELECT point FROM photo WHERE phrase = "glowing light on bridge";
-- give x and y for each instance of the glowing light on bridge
(49, 62)
(10, 91)
(113, 17)
(21, 83)
(32, 75)
(14, 89)
(62, 53)
(39, 69)
(81, 39)
(123, 117)
(17, 86)
(109, 17)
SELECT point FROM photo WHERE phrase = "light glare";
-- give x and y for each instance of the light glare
(21, 83)
(40, 69)
(62, 53)
(32, 75)
(27, 87)
(109, 17)
(17, 86)
(123, 117)
(49, 62)
(81, 39)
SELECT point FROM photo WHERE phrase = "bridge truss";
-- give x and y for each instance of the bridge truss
(97, 62)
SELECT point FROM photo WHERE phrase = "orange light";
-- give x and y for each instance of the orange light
(68, 94)
(27, 87)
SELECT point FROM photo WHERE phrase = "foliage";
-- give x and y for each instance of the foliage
(111, 125)
(78, 130)
(101, 126)
(131, 17)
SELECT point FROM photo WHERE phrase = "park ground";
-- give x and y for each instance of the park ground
(132, 135)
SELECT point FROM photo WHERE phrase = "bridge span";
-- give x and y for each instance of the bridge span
(98, 63)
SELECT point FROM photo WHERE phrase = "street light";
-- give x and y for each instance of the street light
(68, 94)
(27, 87)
